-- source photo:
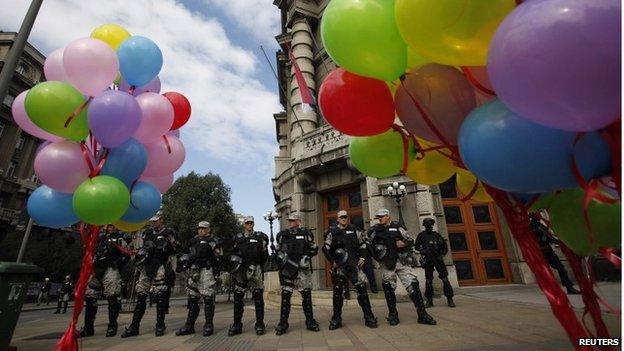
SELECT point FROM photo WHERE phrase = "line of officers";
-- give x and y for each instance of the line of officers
(345, 247)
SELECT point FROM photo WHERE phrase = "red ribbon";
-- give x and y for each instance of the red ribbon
(94, 170)
(77, 111)
(167, 144)
(469, 196)
(125, 251)
(89, 235)
(405, 140)
(518, 221)
(474, 81)
(609, 254)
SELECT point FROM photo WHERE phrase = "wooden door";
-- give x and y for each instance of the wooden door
(475, 239)
(349, 200)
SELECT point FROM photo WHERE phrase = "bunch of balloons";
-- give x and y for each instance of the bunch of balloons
(111, 140)
(520, 100)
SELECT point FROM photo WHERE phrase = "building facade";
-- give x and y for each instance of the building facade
(17, 148)
(314, 176)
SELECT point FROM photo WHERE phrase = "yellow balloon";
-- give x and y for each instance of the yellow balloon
(128, 226)
(414, 59)
(465, 183)
(451, 32)
(432, 169)
(112, 34)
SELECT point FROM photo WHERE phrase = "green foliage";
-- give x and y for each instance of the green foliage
(194, 198)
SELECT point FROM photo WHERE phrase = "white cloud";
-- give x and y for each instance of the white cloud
(232, 110)
(259, 17)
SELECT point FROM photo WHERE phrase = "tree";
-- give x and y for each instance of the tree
(194, 198)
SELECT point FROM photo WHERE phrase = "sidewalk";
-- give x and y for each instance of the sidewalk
(504, 318)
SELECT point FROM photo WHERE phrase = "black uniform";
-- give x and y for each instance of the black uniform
(64, 294)
(433, 248)
(343, 248)
(44, 293)
(153, 264)
(251, 248)
(295, 248)
(109, 260)
(202, 265)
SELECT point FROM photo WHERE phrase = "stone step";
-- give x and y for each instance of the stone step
(323, 298)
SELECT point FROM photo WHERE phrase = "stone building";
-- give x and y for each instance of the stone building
(17, 148)
(314, 176)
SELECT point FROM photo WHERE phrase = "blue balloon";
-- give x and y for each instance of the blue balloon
(51, 208)
(514, 154)
(140, 60)
(126, 162)
(144, 203)
(593, 145)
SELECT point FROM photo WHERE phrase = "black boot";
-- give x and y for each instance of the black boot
(306, 303)
(65, 303)
(161, 311)
(393, 314)
(259, 305)
(282, 326)
(209, 310)
(239, 307)
(369, 318)
(114, 306)
(416, 296)
(191, 317)
(89, 317)
(336, 320)
(448, 291)
(167, 299)
(58, 307)
(571, 290)
(429, 293)
(450, 302)
(139, 311)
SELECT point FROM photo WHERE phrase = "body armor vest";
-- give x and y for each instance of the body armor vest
(431, 244)
(346, 239)
(294, 242)
(251, 248)
(387, 236)
(201, 251)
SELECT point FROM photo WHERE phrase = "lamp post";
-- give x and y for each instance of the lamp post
(270, 216)
(397, 192)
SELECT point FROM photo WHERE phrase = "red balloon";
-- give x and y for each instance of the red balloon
(356, 105)
(181, 109)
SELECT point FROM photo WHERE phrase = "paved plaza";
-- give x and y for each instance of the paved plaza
(503, 319)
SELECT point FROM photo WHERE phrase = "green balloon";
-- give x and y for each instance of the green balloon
(380, 155)
(362, 36)
(50, 104)
(566, 216)
(101, 200)
(543, 202)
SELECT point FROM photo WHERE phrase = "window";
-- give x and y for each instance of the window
(458, 242)
(8, 100)
(453, 215)
(333, 202)
(448, 190)
(11, 169)
(463, 269)
(19, 144)
(1, 127)
(355, 199)
(481, 214)
(494, 269)
(22, 68)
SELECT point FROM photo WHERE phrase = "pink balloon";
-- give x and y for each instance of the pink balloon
(22, 120)
(53, 66)
(61, 166)
(164, 156)
(162, 183)
(91, 65)
(157, 117)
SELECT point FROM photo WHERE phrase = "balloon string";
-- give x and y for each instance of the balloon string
(167, 143)
(518, 221)
(592, 279)
(94, 170)
(613, 136)
(474, 81)
(125, 251)
(77, 111)
(610, 255)
(132, 188)
(89, 235)
(473, 191)
(405, 142)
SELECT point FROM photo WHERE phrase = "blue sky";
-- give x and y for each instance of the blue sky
(212, 55)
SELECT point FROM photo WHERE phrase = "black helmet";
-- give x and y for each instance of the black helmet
(428, 221)
(313, 250)
(340, 257)
(379, 251)
(235, 263)
(183, 262)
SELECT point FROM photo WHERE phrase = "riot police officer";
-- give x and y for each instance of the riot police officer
(433, 248)
(295, 247)
(64, 294)
(201, 259)
(158, 244)
(392, 247)
(249, 255)
(544, 240)
(346, 249)
(108, 261)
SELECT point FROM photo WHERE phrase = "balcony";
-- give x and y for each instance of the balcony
(9, 215)
(321, 146)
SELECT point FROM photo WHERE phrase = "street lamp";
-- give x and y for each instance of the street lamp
(270, 216)
(397, 192)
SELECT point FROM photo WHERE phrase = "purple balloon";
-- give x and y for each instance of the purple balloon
(114, 116)
(557, 62)
(21, 118)
(164, 156)
(61, 166)
(152, 87)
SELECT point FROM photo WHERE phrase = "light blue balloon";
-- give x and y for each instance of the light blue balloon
(514, 154)
(51, 208)
(140, 60)
(126, 162)
(144, 203)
